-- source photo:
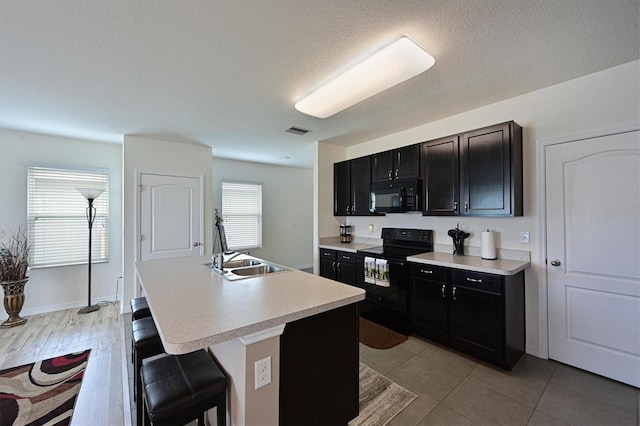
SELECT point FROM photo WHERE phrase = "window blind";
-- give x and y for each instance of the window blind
(58, 226)
(242, 214)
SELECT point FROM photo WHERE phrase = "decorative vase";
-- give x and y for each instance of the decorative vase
(13, 302)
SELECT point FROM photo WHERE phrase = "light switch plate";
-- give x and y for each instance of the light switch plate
(524, 237)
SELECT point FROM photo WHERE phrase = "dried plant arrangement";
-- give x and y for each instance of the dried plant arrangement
(14, 255)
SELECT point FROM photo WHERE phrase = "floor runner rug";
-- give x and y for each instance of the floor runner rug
(380, 399)
(42, 392)
(378, 337)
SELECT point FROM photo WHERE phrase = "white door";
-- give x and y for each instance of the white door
(593, 254)
(170, 216)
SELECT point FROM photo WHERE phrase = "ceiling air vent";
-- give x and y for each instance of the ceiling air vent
(296, 130)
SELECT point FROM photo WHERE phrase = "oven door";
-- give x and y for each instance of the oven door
(386, 287)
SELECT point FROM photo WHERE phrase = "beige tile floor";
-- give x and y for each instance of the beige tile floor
(454, 389)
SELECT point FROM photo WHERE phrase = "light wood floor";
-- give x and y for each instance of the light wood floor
(100, 401)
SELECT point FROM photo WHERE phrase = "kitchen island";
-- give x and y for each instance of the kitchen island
(257, 318)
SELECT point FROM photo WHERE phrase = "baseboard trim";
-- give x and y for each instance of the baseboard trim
(62, 306)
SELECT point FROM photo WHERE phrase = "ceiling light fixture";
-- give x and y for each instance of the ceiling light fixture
(392, 65)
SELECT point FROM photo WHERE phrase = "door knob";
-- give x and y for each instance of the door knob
(196, 244)
(555, 262)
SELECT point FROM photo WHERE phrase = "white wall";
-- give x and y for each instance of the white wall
(605, 100)
(151, 155)
(51, 289)
(287, 208)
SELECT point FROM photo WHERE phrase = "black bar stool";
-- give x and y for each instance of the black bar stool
(178, 389)
(139, 308)
(146, 343)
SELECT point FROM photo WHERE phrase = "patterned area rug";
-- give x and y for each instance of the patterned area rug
(43, 392)
(380, 399)
(379, 337)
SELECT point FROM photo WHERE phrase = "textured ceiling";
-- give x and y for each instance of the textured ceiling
(227, 73)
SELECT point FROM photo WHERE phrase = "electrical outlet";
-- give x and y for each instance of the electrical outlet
(524, 237)
(263, 372)
(371, 228)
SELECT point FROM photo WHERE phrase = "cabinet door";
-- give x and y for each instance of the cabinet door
(475, 323)
(328, 263)
(429, 309)
(382, 167)
(341, 189)
(489, 165)
(407, 162)
(360, 185)
(347, 273)
(440, 176)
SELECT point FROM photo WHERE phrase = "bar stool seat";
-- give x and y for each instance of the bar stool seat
(139, 308)
(178, 389)
(146, 343)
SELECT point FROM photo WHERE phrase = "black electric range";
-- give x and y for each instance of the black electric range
(382, 273)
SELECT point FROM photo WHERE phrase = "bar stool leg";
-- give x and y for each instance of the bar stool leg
(221, 410)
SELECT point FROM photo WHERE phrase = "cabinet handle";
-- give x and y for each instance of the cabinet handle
(346, 257)
(444, 295)
(454, 294)
(338, 266)
(426, 271)
(455, 207)
(347, 209)
(396, 173)
(333, 266)
(390, 172)
(466, 206)
(474, 280)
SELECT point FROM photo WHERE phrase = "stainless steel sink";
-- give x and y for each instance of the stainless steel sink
(257, 270)
(245, 268)
(241, 263)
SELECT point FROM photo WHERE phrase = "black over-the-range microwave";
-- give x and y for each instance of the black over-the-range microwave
(395, 196)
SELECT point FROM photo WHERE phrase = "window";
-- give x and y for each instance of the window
(58, 227)
(242, 214)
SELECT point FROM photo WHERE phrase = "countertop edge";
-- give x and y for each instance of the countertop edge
(183, 348)
(517, 265)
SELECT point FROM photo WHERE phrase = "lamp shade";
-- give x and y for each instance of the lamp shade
(398, 62)
(90, 193)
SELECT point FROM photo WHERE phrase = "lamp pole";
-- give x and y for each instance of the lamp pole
(91, 195)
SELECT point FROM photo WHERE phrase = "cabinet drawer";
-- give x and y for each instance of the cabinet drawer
(428, 272)
(477, 281)
(346, 257)
(327, 254)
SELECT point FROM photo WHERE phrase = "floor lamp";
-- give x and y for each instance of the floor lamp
(90, 194)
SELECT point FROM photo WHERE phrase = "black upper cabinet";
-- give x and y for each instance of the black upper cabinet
(491, 171)
(440, 176)
(351, 182)
(478, 173)
(401, 163)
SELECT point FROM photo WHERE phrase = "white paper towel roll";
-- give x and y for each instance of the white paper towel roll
(488, 249)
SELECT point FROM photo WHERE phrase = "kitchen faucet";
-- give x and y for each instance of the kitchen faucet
(219, 261)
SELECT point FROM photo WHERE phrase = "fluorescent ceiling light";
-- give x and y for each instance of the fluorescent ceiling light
(392, 65)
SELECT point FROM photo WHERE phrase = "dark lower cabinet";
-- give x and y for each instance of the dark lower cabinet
(319, 369)
(477, 313)
(338, 266)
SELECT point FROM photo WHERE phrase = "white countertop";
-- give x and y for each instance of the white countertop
(350, 247)
(471, 263)
(194, 307)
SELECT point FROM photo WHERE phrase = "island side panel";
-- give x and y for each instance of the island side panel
(319, 368)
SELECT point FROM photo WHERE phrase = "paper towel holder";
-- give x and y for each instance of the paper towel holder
(488, 247)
